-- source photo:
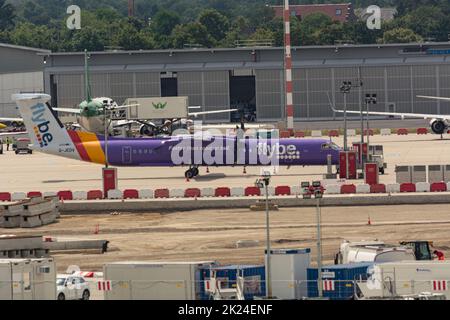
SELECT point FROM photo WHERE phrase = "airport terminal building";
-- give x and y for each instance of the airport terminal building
(253, 78)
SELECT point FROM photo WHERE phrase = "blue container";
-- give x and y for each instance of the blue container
(255, 277)
(341, 280)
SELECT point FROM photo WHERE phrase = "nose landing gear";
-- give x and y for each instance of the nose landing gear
(192, 173)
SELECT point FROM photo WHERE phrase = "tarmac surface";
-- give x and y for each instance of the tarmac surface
(41, 172)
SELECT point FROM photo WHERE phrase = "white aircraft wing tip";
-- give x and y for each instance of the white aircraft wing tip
(29, 96)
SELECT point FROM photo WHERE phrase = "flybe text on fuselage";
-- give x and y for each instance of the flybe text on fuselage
(41, 125)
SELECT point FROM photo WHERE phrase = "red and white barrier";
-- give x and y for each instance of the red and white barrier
(146, 194)
(80, 195)
(237, 192)
(440, 285)
(104, 286)
(328, 285)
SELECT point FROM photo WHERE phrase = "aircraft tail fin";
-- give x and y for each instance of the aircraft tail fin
(46, 132)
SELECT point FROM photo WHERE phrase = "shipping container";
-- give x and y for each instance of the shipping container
(27, 279)
(155, 280)
(254, 279)
(338, 280)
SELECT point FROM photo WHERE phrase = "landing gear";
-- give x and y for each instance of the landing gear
(192, 173)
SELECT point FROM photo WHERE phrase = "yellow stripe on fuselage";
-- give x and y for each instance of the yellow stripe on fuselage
(3, 126)
(93, 147)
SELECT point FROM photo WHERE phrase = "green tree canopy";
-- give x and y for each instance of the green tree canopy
(7, 15)
(216, 23)
(401, 35)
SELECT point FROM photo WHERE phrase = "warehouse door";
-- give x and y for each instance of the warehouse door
(169, 84)
(243, 96)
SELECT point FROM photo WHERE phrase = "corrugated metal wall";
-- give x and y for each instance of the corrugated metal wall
(269, 95)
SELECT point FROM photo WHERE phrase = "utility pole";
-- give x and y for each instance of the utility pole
(371, 98)
(289, 100)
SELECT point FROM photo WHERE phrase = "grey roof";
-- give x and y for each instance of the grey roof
(340, 46)
(11, 46)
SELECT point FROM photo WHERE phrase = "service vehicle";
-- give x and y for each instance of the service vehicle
(70, 287)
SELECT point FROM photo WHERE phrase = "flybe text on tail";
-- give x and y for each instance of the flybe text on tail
(41, 125)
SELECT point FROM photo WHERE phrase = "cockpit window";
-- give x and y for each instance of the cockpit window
(330, 146)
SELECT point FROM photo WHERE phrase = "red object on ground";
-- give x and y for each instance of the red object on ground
(34, 194)
(283, 191)
(252, 191)
(350, 157)
(131, 194)
(402, 132)
(285, 134)
(407, 187)
(348, 189)
(422, 131)
(161, 193)
(378, 188)
(5, 196)
(192, 193)
(299, 134)
(65, 195)
(95, 195)
(223, 192)
(371, 173)
(438, 187)
(333, 133)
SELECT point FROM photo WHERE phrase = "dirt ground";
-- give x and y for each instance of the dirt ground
(212, 235)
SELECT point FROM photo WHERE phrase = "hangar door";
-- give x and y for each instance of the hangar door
(208, 89)
(269, 95)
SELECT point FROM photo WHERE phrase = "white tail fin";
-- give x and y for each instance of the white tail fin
(46, 132)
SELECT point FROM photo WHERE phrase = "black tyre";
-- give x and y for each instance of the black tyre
(189, 174)
(86, 295)
(196, 172)
(61, 297)
(17, 152)
(382, 170)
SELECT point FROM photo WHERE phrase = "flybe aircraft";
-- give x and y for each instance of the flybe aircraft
(49, 135)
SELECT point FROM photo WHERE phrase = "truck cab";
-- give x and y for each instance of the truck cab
(421, 249)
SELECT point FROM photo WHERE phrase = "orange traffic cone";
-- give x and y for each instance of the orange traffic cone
(369, 223)
(97, 229)
(207, 169)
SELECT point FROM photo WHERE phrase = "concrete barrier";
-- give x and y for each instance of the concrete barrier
(422, 187)
(208, 192)
(362, 188)
(146, 194)
(386, 132)
(176, 193)
(80, 195)
(393, 188)
(333, 189)
(316, 134)
(50, 194)
(237, 192)
(351, 132)
(271, 191)
(18, 196)
(115, 194)
(296, 190)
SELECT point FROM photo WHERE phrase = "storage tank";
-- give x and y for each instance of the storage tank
(254, 279)
(27, 279)
(155, 280)
(373, 251)
(338, 280)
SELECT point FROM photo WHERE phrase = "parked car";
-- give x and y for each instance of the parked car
(22, 145)
(70, 287)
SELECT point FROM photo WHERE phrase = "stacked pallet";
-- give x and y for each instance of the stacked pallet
(30, 213)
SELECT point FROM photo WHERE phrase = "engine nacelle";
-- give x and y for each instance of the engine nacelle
(146, 130)
(438, 126)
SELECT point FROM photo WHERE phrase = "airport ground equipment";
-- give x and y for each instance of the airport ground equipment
(376, 155)
(72, 287)
(28, 279)
(394, 279)
(348, 165)
(422, 249)
(371, 173)
(23, 145)
(372, 251)
(154, 280)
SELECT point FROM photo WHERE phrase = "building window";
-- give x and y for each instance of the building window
(338, 12)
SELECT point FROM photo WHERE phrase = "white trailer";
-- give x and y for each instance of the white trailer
(154, 280)
(396, 279)
(27, 279)
(157, 108)
(373, 251)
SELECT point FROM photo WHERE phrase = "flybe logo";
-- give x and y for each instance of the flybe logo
(41, 125)
(159, 106)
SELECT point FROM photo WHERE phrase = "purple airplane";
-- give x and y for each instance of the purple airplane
(50, 136)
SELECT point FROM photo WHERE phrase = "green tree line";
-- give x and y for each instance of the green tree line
(162, 24)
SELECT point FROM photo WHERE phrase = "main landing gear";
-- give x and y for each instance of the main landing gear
(192, 173)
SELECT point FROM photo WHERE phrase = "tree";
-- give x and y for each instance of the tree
(7, 15)
(130, 38)
(193, 33)
(88, 38)
(429, 22)
(164, 22)
(401, 35)
(216, 23)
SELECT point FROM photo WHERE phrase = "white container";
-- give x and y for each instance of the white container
(27, 279)
(406, 278)
(289, 273)
(158, 108)
(154, 280)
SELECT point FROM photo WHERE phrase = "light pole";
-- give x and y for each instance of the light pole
(105, 111)
(317, 191)
(263, 183)
(345, 89)
(371, 98)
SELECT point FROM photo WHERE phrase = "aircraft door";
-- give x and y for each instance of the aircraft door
(126, 155)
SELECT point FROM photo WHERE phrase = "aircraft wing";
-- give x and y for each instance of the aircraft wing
(12, 134)
(434, 98)
(68, 110)
(196, 114)
(11, 119)
(398, 114)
